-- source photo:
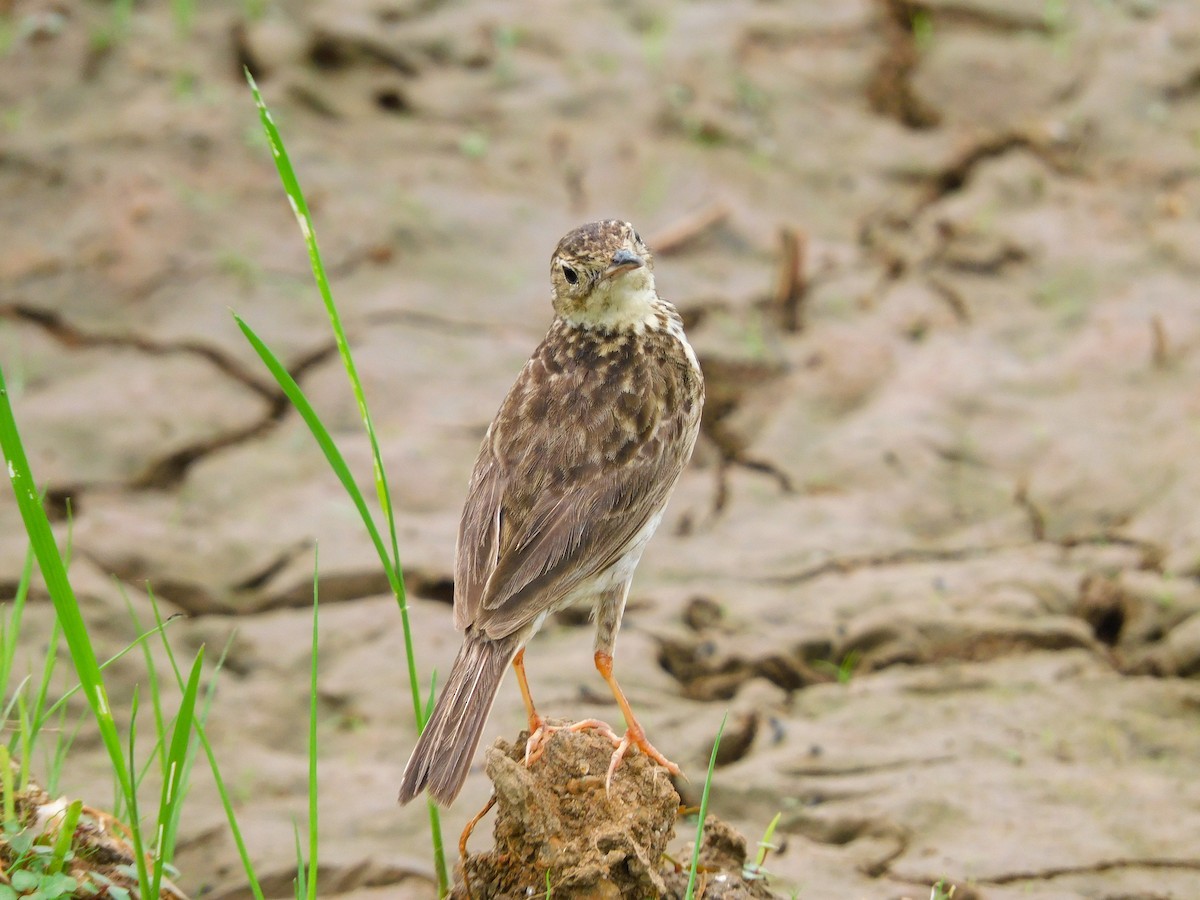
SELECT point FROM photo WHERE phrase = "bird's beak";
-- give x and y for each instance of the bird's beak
(623, 261)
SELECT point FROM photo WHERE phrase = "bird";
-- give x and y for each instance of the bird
(570, 483)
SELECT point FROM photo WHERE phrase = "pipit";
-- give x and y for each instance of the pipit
(572, 480)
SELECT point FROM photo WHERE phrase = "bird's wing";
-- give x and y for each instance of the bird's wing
(478, 535)
(573, 468)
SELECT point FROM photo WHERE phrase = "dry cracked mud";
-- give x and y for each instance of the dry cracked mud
(938, 554)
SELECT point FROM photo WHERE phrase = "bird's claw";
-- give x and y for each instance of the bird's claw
(536, 744)
(541, 732)
(636, 739)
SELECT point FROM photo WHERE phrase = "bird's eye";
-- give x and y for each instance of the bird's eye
(570, 274)
(637, 238)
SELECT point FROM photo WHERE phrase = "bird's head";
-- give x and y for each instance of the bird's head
(603, 277)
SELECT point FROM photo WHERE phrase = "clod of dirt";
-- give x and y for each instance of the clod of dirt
(716, 667)
(554, 819)
(722, 867)
(702, 613)
(557, 828)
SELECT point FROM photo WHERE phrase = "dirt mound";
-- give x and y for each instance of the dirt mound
(558, 832)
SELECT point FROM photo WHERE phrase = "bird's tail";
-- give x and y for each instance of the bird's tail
(444, 751)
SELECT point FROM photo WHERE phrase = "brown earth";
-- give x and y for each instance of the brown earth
(558, 827)
(939, 551)
(561, 825)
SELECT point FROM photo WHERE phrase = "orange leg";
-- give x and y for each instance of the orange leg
(518, 664)
(634, 733)
(539, 731)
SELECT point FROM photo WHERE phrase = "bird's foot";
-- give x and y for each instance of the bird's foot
(540, 732)
(634, 736)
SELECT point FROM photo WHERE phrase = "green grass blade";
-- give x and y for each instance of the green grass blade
(10, 626)
(124, 651)
(166, 848)
(432, 695)
(66, 833)
(17, 694)
(176, 757)
(299, 886)
(765, 845)
(392, 565)
(337, 462)
(291, 186)
(66, 607)
(712, 765)
(7, 786)
(131, 814)
(139, 775)
(235, 830)
(755, 870)
(38, 713)
(312, 745)
(160, 727)
(26, 739)
(58, 756)
(295, 195)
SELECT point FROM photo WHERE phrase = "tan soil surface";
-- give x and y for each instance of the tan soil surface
(939, 551)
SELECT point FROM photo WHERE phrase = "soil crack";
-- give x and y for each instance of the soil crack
(890, 91)
(169, 471)
(70, 335)
(1152, 555)
(249, 597)
(1052, 872)
(729, 385)
(844, 565)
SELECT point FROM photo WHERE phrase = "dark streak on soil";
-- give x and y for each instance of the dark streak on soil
(169, 471)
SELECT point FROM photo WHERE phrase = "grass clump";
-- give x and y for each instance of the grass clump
(388, 552)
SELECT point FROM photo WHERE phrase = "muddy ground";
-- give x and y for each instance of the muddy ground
(939, 551)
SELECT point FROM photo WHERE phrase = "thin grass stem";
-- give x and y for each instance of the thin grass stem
(235, 830)
(312, 742)
(176, 756)
(38, 713)
(10, 626)
(391, 563)
(66, 833)
(6, 785)
(708, 778)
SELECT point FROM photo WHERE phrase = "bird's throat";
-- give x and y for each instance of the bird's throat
(626, 302)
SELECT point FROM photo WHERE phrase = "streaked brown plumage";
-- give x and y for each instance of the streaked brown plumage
(570, 483)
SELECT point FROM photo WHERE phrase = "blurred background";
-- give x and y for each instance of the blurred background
(938, 552)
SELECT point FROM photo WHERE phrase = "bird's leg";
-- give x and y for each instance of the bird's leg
(609, 610)
(539, 731)
(518, 664)
(634, 735)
